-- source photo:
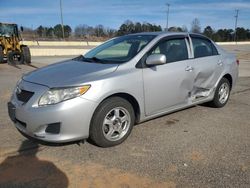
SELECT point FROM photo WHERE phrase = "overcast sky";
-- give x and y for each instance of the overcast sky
(112, 13)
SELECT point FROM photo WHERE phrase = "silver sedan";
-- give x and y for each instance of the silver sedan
(124, 81)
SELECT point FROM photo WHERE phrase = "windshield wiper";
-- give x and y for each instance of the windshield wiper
(97, 60)
(92, 59)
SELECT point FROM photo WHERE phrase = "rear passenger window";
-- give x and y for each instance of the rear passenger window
(203, 48)
(174, 49)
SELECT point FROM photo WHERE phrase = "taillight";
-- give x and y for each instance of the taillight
(238, 62)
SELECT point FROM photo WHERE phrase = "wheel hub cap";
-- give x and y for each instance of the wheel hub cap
(116, 124)
(223, 93)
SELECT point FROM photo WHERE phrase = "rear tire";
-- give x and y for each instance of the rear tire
(1, 54)
(112, 122)
(15, 58)
(222, 94)
(26, 54)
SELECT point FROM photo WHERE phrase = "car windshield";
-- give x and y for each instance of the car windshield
(118, 50)
(7, 30)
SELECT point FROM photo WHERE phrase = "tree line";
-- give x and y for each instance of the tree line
(220, 35)
(100, 32)
(85, 31)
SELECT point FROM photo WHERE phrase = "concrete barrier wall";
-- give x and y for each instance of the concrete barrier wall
(61, 43)
(57, 52)
(65, 48)
(233, 43)
(84, 43)
(58, 48)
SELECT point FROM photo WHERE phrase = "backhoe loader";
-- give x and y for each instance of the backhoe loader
(11, 48)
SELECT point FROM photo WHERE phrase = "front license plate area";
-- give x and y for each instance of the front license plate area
(12, 111)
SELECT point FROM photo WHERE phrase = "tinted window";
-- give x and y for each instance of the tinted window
(174, 49)
(203, 48)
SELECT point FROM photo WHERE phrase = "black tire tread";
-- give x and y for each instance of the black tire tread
(26, 54)
(10, 59)
(96, 136)
(215, 102)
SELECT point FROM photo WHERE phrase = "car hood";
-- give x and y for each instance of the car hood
(69, 73)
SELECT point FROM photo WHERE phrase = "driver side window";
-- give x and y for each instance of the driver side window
(173, 49)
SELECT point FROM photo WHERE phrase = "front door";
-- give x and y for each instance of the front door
(165, 86)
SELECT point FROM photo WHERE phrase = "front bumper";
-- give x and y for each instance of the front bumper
(71, 118)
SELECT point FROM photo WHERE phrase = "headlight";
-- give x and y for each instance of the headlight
(16, 88)
(54, 96)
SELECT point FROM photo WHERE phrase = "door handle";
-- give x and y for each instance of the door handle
(220, 63)
(189, 69)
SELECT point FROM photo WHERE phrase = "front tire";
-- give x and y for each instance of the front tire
(222, 94)
(15, 58)
(112, 122)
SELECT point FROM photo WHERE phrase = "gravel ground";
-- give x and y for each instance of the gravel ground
(196, 147)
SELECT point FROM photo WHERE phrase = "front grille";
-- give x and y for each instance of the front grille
(24, 95)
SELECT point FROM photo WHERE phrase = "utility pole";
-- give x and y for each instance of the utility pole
(61, 18)
(236, 21)
(168, 5)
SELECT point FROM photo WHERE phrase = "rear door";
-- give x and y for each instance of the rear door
(165, 86)
(205, 68)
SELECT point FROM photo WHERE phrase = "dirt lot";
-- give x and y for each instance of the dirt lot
(196, 147)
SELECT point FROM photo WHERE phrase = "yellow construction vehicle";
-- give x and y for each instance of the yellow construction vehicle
(10, 46)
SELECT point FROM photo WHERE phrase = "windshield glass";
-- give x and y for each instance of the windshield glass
(7, 30)
(118, 50)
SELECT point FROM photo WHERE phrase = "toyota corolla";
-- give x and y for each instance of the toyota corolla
(124, 81)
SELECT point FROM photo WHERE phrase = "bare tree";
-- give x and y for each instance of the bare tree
(184, 28)
(81, 30)
(195, 26)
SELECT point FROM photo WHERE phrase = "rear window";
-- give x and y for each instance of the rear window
(203, 48)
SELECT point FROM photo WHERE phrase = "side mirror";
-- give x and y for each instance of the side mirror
(156, 59)
(21, 28)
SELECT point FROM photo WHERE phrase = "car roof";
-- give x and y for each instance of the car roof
(159, 33)
(169, 33)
